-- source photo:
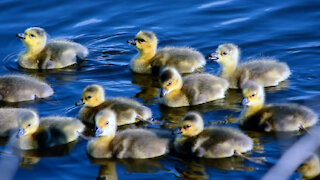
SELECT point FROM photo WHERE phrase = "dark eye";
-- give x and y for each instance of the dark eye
(107, 122)
(224, 53)
(253, 95)
(186, 126)
(142, 40)
(89, 97)
(29, 125)
(169, 84)
(32, 35)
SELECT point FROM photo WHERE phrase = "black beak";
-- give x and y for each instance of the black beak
(177, 131)
(79, 103)
(21, 35)
(214, 56)
(132, 42)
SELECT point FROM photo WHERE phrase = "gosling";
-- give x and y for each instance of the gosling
(211, 142)
(310, 168)
(42, 55)
(128, 111)
(9, 119)
(46, 132)
(193, 89)
(272, 117)
(149, 60)
(267, 72)
(17, 88)
(129, 143)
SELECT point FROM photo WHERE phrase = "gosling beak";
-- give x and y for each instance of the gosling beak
(163, 92)
(245, 101)
(177, 131)
(79, 103)
(21, 35)
(132, 42)
(214, 56)
(21, 132)
(98, 132)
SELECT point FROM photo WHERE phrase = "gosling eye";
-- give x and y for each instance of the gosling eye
(253, 95)
(225, 53)
(142, 40)
(169, 84)
(107, 122)
(186, 126)
(89, 97)
(32, 35)
(28, 125)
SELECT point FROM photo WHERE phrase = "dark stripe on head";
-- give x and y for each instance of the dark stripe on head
(166, 75)
(39, 31)
(91, 89)
(190, 117)
(149, 34)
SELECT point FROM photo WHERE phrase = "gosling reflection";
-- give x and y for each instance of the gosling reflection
(108, 168)
(149, 87)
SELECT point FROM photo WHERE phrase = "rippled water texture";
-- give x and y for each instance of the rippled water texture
(288, 30)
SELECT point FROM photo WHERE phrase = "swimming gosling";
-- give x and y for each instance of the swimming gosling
(193, 89)
(46, 132)
(272, 117)
(9, 119)
(42, 55)
(268, 72)
(211, 142)
(150, 60)
(310, 168)
(128, 110)
(18, 87)
(129, 143)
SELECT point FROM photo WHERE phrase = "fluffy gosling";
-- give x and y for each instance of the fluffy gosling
(211, 142)
(193, 89)
(150, 60)
(272, 117)
(268, 72)
(46, 132)
(129, 143)
(128, 111)
(42, 55)
(17, 88)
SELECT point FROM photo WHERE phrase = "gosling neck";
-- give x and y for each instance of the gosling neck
(228, 69)
(252, 109)
(34, 50)
(147, 55)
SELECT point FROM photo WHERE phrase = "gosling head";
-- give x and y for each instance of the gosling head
(145, 41)
(191, 124)
(170, 80)
(28, 123)
(226, 54)
(106, 123)
(35, 38)
(253, 94)
(92, 96)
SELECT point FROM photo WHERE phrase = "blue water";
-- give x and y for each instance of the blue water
(287, 30)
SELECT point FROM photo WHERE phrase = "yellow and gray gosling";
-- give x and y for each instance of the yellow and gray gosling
(18, 87)
(310, 168)
(193, 89)
(128, 110)
(267, 72)
(42, 55)
(149, 60)
(129, 143)
(46, 132)
(9, 119)
(211, 142)
(272, 117)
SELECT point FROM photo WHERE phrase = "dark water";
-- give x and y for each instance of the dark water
(288, 30)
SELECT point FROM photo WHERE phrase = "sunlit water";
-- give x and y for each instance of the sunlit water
(288, 30)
